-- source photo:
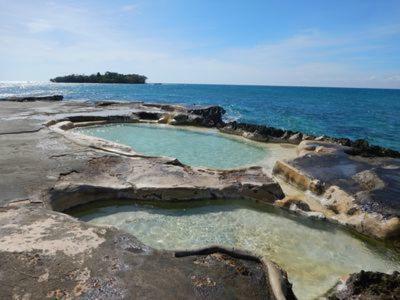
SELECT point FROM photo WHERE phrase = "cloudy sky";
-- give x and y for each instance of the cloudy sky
(314, 43)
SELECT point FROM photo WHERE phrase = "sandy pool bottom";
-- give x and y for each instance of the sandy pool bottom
(193, 146)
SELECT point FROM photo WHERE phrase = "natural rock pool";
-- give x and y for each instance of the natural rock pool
(195, 147)
(315, 254)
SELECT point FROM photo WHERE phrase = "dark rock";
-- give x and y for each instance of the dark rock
(360, 144)
(34, 98)
(367, 285)
(261, 130)
(344, 141)
(352, 211)
(212, 115)
(105, 103)
(362, 147)
(295, 138)
(181, 119)
(288, 202)
(307, 137)
(148, 115)
(265, 133)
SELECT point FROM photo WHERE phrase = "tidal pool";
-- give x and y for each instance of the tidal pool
(315, 254)
(195, 147)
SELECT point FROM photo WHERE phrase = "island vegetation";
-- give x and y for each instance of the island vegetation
(107, 77)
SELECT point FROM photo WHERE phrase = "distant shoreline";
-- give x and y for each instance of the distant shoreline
(107, 77)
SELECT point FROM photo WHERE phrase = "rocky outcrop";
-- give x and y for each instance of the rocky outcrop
(211, 115)
(277, 283)
(264, 133)
(359, 192)
(367, 285)
(260, 133)
(110, 177)
(363, 148)
(72, 169)
(34, 98)
(44, 254)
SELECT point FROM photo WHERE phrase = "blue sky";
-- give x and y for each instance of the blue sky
(314, 43)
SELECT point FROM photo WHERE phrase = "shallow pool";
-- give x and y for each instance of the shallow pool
(315, 254)
(206, 148)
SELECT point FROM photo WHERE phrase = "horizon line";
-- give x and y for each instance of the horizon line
(225, 84)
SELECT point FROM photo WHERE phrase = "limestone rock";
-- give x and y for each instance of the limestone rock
(44, 254)
(360, 192)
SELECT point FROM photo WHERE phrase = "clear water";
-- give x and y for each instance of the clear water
(195, 148)
(372, 114)
(314, 254)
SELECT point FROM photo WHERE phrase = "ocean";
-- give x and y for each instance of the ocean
(371, 114)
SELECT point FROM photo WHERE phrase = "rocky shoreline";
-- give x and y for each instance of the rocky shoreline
(47, 168)
(34, 98)
(262, 133)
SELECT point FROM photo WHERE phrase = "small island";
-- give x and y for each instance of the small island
(107, 77)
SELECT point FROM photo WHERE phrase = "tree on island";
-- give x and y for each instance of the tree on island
(107, 77)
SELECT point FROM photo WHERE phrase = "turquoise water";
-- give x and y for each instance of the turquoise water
(372, 114)
(195, 148)
(315, 254)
